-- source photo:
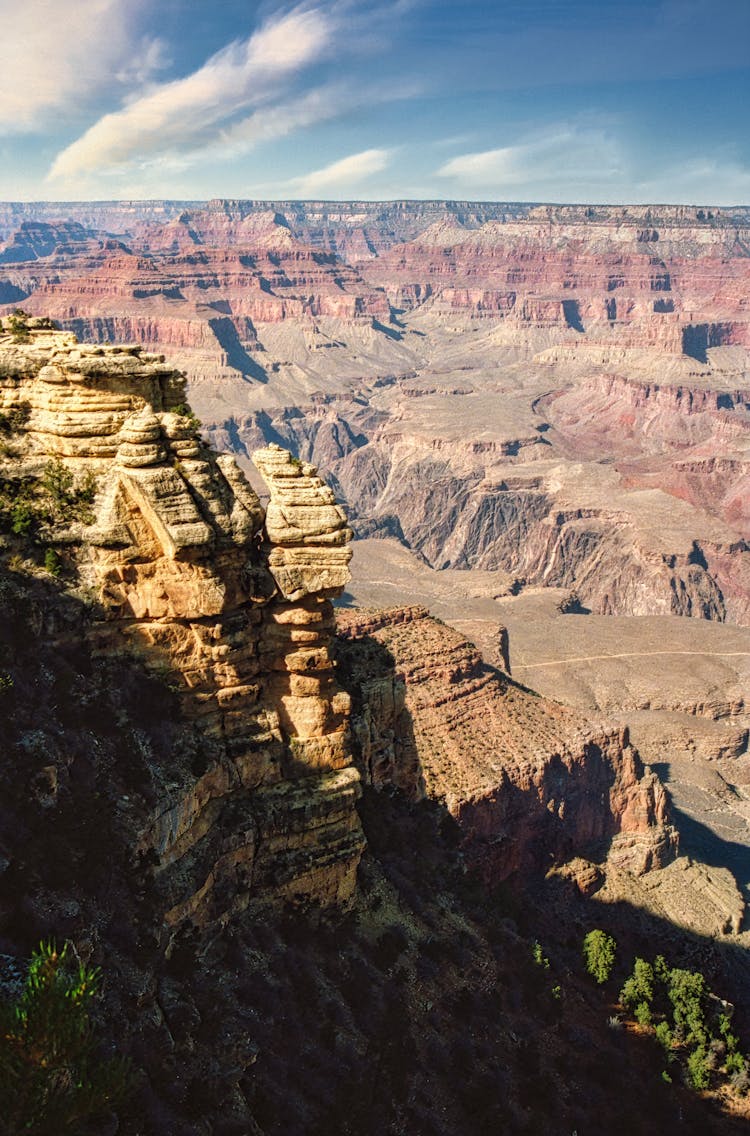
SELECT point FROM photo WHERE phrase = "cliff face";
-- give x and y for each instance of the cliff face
(529, 782)
(231, 604)
(669, 280)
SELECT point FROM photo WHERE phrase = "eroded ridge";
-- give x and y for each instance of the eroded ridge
(530, 782)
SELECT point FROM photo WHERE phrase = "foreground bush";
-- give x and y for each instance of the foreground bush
(51, 1079)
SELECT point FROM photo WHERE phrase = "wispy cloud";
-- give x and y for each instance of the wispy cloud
(304, 109)
(185, 114)
(592, 163)
(59, 55)
(701, 181)
(339, 177)
(563, 157)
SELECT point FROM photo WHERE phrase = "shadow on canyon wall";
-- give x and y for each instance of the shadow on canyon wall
(237, 356)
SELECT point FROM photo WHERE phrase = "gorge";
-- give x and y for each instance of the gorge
(537, 421)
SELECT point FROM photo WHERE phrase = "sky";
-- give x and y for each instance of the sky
(610, 101)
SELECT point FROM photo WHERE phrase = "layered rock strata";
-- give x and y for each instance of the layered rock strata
(232, 606)
(530, 783)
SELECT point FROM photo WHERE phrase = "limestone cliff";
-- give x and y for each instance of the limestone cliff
(230, 604)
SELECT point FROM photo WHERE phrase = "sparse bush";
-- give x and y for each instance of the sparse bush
(13, 419)
(55, 499)
(52, 563)
(186, 411)
(23, 518)
(51, 1079)
(57, 483)
(18, 327)
(739, 1074)
(539, 956)
(599, 950)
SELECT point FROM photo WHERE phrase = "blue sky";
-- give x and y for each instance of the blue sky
(541, 100)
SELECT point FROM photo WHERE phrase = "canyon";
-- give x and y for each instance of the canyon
(549, 400)
(189, 742)
(537, 421)
(231, 602)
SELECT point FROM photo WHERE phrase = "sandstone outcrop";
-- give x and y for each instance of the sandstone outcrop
(530, 783)
(232, 608)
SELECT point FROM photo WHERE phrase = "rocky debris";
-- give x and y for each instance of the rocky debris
(190, 576)
(529, 782)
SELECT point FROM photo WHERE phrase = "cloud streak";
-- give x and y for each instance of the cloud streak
(566, 156)
(584, 163)
(186, 114)
(58, 56)
(340, 176)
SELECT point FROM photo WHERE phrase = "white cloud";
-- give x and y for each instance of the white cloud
(560, 159)
(186, 114)
(270, 122)
(583, 163)
(341, 175)
(150, 56)
(698, 181)
(59, 53)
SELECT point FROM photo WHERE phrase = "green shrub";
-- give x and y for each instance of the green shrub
(698, 1069)
(639, 987)
(643, 1014)
(599, 951)
(13, 419)
(23, 518)
(187, 412)
(52, 563)
(57, 483)
(51, 1079)
(687, 993)
(16, 324)
(664, 1036)
(539, 956)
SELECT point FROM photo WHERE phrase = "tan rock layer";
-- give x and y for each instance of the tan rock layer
(234, 612)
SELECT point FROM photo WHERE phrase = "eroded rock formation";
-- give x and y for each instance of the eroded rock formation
(236, 614)
(231, 604)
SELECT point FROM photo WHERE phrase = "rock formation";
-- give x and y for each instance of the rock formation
(237, 614)
(529, 782)
(231, 603)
